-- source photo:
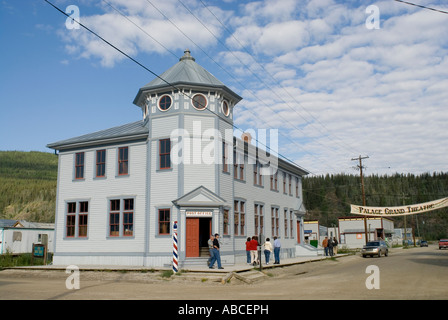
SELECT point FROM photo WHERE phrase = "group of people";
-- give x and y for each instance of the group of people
(330, 246)
(252, 250)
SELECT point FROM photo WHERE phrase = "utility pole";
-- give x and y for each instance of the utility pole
(362, 190)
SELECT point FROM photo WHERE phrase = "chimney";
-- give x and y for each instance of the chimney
(246, 137)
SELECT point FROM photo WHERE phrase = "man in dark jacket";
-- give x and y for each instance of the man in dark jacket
(216, 256)
(330, 246)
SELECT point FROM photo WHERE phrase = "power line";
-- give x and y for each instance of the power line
(153, 73)
(421, 6)
(224, 69)
(271, 76)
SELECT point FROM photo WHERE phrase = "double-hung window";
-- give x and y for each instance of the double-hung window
(123, 161)
(284, 182)
(258, 178)
(79, 165)
(239, 217)
(70, 223)
(297, 187)
(83, 216)
(274, 181)
(165, 154)
(225, 228)
(225, 157)
(238, 166)
(76, 221)
(259, 219)
(164, 221)
(274, 221)
(291, 225)
(121, 217)
(100, 163)
(290, 184)
(128, 218)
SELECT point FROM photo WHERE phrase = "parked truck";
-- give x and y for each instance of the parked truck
(443, 243)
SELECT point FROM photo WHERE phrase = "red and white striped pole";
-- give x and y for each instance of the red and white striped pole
(175, 255)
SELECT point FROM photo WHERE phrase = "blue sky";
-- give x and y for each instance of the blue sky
(332, 86)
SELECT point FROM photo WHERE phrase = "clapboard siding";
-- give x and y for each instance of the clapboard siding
(264, 195)
(98, 191)
(163, 191)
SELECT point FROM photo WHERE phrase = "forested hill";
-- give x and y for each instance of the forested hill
(28, 185)
(329, 197)
(28, 191)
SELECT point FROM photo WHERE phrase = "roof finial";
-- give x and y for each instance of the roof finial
(187, 55)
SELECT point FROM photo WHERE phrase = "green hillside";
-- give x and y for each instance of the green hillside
(28, 185)
(28, 191)
(329, 197)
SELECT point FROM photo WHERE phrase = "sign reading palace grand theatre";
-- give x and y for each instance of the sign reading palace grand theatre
(399, 211)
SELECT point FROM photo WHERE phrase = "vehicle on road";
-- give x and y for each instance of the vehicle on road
(375, 248)
(423, 243)
(443, 243)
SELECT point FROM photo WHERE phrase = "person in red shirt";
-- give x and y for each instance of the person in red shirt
(253, 245)
(248, 259)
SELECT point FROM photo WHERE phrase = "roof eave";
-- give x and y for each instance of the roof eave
(88, 143)
(180, 85)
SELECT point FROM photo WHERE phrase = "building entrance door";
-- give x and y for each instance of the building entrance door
(198, 232)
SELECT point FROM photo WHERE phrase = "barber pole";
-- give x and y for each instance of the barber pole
(175, 263)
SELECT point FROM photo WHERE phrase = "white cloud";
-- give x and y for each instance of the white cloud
(335, 88)
(166, 26)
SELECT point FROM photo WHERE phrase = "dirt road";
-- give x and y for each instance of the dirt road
(417, 273)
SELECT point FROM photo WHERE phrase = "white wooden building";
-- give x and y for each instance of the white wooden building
(18, 236)
(352, 230)
(120, 189)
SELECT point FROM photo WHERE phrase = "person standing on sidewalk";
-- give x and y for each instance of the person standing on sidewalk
(248, 258)
(267, 250)
(335, 246)
(277, 246)
(216, 256)
(330, 247)
(325, 245)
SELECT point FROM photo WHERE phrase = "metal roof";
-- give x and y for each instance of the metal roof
(7, 223)
(185, 72)
(129, 131)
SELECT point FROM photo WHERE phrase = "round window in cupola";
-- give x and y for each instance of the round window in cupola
(165, 103)
(199, 101)
(225, 108)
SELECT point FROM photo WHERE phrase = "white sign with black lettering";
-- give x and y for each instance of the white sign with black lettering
(190, 214)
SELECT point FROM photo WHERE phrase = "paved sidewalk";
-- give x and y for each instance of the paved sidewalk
(239, 267)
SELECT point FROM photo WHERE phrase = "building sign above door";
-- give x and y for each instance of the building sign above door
(199, 214)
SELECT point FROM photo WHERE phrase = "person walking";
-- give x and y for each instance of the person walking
(325, 245)
(253, 250)
(216, 256)
(330, 247)
(335, 246)
(210, 248)
(277, 246)
(267, 250)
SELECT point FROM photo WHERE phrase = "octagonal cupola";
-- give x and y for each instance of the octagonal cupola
(188, 88)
